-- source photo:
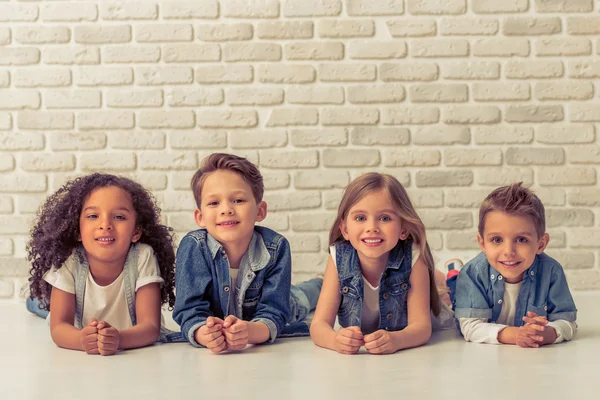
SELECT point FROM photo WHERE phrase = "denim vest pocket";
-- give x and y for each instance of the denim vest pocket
(542, 310)
(350, 298)
(251, 299)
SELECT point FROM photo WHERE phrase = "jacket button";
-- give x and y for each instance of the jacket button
(389, 316)
(345, 289)
(226, 289)
(500, 301)
(386, 295)
(404, 286)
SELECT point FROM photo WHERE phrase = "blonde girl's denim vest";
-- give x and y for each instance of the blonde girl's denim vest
(393, 286)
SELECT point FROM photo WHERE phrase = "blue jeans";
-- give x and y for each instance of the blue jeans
(304, 298)
(452, 286)
(33, 306)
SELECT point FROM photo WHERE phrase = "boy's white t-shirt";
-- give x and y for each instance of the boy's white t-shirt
(106, 303)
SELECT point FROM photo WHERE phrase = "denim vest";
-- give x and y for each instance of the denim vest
(480, 291)
(393, 286)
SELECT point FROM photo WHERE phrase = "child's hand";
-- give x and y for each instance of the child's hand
(108, 339)
(349, 340)
(236, 333)
(547, 333)
(211, 336)
(379, 342)
(89, 337)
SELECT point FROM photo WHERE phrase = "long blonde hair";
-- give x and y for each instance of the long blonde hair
(372, 182)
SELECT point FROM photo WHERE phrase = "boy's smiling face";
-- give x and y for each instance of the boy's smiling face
(228, 209)
(511, 243)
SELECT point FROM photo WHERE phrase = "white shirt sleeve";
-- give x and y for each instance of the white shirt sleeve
(64, 277)
(148, 271)
(478, 330)
(564, 329)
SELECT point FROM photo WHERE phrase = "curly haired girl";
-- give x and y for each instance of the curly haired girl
(102, 264)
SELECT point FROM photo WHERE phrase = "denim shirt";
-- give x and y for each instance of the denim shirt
(480, 291)
(203, 281)
(393, 286)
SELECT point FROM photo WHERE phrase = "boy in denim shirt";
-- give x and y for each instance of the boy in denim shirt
(512, 292)
(233, 279)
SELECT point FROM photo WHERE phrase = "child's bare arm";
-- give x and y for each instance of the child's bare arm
(62, 330)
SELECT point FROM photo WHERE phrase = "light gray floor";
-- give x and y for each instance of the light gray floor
(32, 367)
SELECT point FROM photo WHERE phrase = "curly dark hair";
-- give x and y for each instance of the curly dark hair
(56, 232)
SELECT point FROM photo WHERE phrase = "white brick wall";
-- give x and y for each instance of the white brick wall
(452, 97)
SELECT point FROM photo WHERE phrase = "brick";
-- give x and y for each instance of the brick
(177, 119)
(276, 180)
(134, 140)
(134, 98)
(584, 113)
(315, 95)
(49, 77)
(495, 7)
(64, 141)
(318, 179)
(108, 162)
(347, 72)
(101, 76)
(7, 162)
(411, 158)
(568, 217)
(42, 35)
(378, 50)
(128, 11)
(78, 55)
(550, 6)
(584, 69)
(332, 199)
(311, 8)
(6, 249)
(278, 159)
(563, 47)
(444, 135)
(224, 32)
(227, 118)
(18, 12)
(534, 113)
(583, 25)
(4, 79)
(181, 201)
(5, 35)
(171, 161)
(131, 54)
(277, 221)
(181, 222)
(225, 74)
(73, 99)
(19, 56)
(570, 90)
(285, 30)
(437, 7)
(186, 97)
(163, 33)
(19, 100)
(444, 178)
(471, 70)
(319, 137)
(197, 139)
(15, 267)
(551, 196)
(253, 9)
(207, 9)
(502, 135)
(366, 94)
(501, 91)
(257, 140)
(584, 154)
(576, 260)
(504, 176)
(509, 47)
(526, 26)
(305, 243)
(423, 198)
(419, 28)
(571, 176)
(439, 93)
(435, 240)
(442, 219)
(377, 136)
(471, 115)
(534, 156)
(89, 120)
(401, 174)
(349, 116)
(333, 28)
(163, 75)
(465, 198)
(565, 133)
(73, 13)
(410, 115)
(312, 222)
(290, 73)
(469, 157)
(357, 8)
(533, 69)
(408, 71)
(5, 121)
(45, 120)
(254, 96)
(233, 52)
(10, 225)
(299, 201)
(314, 51)
(36, 162)
(293, 116)
(588, 197)
(19, 182)
(464, 26)
(439, 48)
(462, 241)
(191, 52)
(99, 34)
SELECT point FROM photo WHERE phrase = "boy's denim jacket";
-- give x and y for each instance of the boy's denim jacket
(480, 291)
(203, 281)
(393, 286)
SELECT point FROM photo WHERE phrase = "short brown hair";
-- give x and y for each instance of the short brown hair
(514, 199)
(228, 162)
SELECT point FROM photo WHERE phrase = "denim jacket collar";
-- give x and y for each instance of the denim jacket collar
(257, 255)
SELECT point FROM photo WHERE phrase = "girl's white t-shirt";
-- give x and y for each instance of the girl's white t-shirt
(106, 303)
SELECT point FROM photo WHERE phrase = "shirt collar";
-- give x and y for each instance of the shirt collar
(257, 254)
(530, 273)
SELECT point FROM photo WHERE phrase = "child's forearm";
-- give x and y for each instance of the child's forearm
(258, 332)
(323, 335)
(411, 336)
(138, 336)
(66, 336)
(508, 335)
